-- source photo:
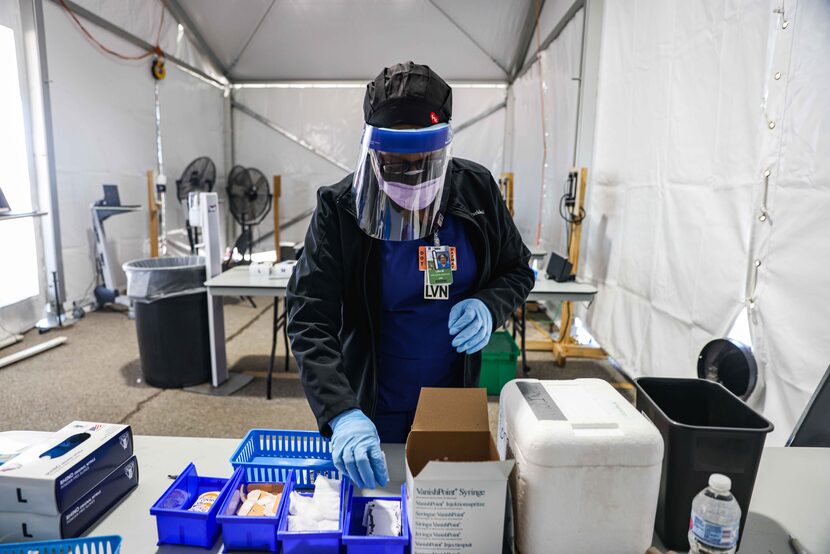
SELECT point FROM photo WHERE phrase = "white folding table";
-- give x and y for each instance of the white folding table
(790, 495)
(548, 290)
(239, 281)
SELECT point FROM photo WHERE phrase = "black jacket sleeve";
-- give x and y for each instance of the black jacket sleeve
(315, 301)
(512, 277)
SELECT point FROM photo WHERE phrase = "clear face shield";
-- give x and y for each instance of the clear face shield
(399, 180)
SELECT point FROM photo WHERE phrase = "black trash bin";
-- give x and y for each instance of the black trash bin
(706, 429)
(171, 320)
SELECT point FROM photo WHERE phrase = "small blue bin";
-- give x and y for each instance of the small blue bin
(88, 545)
(269, 454)
(180, 526)
(311, 542)
(248, 532)
(354, 534)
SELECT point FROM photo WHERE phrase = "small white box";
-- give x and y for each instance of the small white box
(283, 269)
(456, 485)
(587, 467)
(261, 268)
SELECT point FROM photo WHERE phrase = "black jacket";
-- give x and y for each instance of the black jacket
(334, 293)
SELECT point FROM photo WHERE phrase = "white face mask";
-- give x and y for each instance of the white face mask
(412, 197)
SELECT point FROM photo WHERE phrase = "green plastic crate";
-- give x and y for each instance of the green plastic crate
(498, 362)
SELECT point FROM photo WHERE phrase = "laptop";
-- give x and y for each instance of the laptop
(813, 429)
(111, 196)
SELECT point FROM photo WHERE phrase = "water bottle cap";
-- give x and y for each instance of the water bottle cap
(720, 483)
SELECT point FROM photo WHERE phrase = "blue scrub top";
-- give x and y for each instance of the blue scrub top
(415, 344)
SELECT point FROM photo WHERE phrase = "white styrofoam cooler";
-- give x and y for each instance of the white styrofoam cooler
(587, 467)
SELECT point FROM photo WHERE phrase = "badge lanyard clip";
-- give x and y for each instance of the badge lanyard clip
(439, 220)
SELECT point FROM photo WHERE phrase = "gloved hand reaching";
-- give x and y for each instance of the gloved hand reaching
(471, 323)
(355, 449)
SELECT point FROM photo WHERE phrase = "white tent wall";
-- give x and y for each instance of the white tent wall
(325, 118)
(192, 125)
(104, 132)
(23, 236)
(556, 72)
(675, 160)
(329, 118)
(676, 185)
(483, 141)
(790, 307)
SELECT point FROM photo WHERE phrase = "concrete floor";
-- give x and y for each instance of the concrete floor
(96, 376)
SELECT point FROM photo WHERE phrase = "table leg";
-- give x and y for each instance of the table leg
(273, 346)
(525, 369)
(285, 335)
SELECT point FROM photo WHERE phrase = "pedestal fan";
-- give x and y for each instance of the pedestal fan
(198, 176)
(249, 199)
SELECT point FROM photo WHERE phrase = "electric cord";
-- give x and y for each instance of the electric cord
(149, 52)
(567, 213)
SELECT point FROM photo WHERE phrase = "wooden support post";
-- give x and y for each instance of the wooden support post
(153, 211)
(276, 209)
(565, 345)
(507, 180)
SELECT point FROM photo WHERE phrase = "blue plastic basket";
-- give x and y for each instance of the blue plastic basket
(268, 455)
(87, 545)
(354, 534)
(180, 526)
(311, 542)
(246, 532)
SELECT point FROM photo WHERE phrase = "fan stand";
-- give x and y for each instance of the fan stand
(192, 237)
(245, 244)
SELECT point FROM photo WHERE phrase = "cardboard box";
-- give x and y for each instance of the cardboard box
(53, 474)
(455, 483)
(80, 516)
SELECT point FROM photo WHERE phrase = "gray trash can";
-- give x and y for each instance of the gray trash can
(171, 319)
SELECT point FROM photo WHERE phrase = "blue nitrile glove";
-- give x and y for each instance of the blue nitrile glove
(355, 450)
(471, 323)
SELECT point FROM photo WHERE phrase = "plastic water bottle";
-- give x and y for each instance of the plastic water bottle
(716, 517)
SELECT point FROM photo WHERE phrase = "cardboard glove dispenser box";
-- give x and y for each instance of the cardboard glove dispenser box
(587, 467)
(456, 485)
(51, 475)
(77, 518)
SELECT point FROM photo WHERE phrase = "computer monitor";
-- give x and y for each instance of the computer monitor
(111, 197)
(559, 268)
(813, 429)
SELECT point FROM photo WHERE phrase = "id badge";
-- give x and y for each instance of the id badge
(438, 263)
(433, 291)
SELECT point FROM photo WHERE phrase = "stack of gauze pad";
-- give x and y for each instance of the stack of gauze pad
(383, 518)
(319, 512)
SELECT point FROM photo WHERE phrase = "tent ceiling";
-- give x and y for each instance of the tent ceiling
(285, 40)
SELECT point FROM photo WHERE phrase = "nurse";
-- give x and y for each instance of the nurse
(408, 264)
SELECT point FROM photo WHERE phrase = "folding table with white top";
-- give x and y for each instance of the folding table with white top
(790, 495)
(239, 281)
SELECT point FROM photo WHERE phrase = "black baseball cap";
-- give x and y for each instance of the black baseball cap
(407, 94)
